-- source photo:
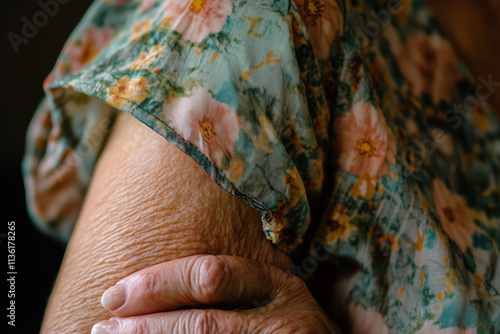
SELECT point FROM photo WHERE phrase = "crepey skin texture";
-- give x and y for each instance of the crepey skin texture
(148, 203)
(204, 284)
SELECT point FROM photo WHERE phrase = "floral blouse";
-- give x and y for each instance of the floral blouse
(351, 125)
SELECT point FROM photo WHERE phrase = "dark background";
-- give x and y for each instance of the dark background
(37, 257)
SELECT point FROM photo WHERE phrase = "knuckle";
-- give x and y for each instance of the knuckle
(204, 323)
(209, 278)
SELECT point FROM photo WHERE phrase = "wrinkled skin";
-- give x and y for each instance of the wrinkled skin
(201, 281)
(148, 203)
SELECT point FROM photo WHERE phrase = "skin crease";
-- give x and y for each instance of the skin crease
(143, 209)
(129, 223)
(209, 280)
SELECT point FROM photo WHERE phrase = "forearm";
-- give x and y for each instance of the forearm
(148, 203)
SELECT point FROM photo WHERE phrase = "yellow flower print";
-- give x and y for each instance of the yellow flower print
(212, 126)
(365, 187)
(478, 280)
(140, 29)
(214, 56)
(196, 19)
(271, 58)
(146, 59)
(295, 33)
(245, 75)
(324, 21)
(157, 50)
(401, 291)
(440, 295)
(393, 241)
(197, 5)
(128, 91)
(253, 22)
(419, 244)
(293, 135)
(365, 143)
(481, 216)
(336, 225)
(449, 279)
(418, 248)
(142, 62)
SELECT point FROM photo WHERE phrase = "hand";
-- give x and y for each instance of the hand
(217, 294)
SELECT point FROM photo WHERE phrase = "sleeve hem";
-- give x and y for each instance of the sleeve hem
(79, 84)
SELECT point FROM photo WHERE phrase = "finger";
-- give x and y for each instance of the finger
(193, 281)
(179, 322)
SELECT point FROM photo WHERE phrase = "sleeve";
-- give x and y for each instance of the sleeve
(234, 84)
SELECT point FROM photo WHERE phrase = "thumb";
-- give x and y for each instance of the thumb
(193, 281)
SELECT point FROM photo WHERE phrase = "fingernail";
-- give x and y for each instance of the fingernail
(111, 326)
(114, 297)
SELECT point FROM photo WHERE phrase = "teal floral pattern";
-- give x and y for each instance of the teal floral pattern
(350, 125)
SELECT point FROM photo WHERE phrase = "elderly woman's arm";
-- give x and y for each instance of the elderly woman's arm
(148, 203)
